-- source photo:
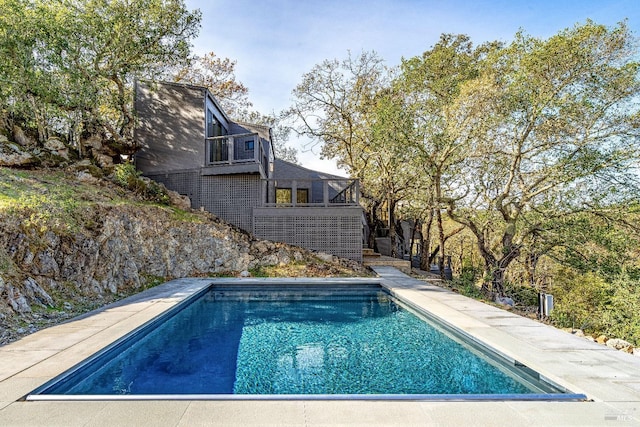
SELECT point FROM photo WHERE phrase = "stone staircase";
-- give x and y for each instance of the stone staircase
(371, 259)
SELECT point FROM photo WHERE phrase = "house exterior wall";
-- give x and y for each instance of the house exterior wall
(337, 231)
(231, 197)
(175, 149)
(171, 127)
(185, 182)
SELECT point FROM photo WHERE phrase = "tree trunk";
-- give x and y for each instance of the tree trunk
(532, 263)
(393, 236)
(416, 224)
(372, 222)
(497, 281)
(438, 199)
(425, 247)
(441, 242)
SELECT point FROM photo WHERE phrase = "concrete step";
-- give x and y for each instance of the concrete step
(400, 264)
(367, 252)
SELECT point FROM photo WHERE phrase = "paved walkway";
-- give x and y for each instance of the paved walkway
(610, 379)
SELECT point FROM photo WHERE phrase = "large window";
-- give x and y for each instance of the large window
(214, 127)
(218, 149)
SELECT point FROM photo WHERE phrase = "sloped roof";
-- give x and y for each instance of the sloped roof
(287, 170)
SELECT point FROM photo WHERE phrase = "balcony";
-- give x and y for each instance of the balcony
(318, 214)
(240, 153)
(324, 193)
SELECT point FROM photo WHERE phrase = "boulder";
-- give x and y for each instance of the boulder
(94, 142)
(325, 256)
(504, 300)
(34, 292)
(21, 138)
(262, 246)
(13, 155)
(602, 339)
(57, 147)
(179, 201)
(85, 177)
(619, 344)
(103, 160)
(17, 300)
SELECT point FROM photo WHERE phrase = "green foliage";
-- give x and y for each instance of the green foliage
(127, 176)
(72, 64)
(521, 294)
(599, 306)
(465, 285)
(51, 201)
(606, 243)
(42, 206)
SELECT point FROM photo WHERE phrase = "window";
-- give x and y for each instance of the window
(214, 127)
(303, 195)
(248, 145)
(283, 195)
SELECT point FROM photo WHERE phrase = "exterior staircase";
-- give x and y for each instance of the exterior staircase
(371, 258)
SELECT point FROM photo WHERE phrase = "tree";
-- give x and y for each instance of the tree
(77, 60)
(431, 83)
(217, 75)
(350, 107)
(554, 127)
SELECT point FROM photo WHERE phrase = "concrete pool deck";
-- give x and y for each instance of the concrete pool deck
(610, 379)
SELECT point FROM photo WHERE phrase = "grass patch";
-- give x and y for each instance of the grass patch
(303, 268)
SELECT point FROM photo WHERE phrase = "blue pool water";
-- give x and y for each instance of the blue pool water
(293, 341)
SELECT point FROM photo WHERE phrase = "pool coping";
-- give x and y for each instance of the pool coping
(610, 379)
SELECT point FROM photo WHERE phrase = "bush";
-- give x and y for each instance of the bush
(127, 176)
(522, 294)
(465, 284)
(599, 306)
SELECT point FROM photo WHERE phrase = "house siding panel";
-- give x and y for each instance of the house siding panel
(231, 197)
(337, 231)
(171, 127)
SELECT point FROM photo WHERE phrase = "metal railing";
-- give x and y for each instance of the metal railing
(311, 192)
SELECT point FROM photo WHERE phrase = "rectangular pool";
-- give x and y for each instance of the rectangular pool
(297, 341)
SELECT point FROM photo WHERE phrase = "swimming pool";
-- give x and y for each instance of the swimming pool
(310, 341)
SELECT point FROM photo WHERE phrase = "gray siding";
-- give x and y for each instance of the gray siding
(171, 127)
(186, 183)
(288, 170)
(231, 197)
(336, 231)
(236, 199)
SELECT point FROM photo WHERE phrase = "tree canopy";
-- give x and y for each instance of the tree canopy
(68, 66)
(511, 141)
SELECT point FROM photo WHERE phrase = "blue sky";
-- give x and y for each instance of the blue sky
(276, 41)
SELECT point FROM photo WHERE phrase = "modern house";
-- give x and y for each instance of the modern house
(188, 143)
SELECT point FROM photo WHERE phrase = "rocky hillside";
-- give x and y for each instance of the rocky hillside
(71, 242)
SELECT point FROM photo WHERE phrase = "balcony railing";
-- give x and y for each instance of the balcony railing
(311, 192)
(239, 148)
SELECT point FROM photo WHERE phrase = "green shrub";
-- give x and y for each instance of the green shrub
(599, 306)
(466, 284)
(127, 176)
(522, 294)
